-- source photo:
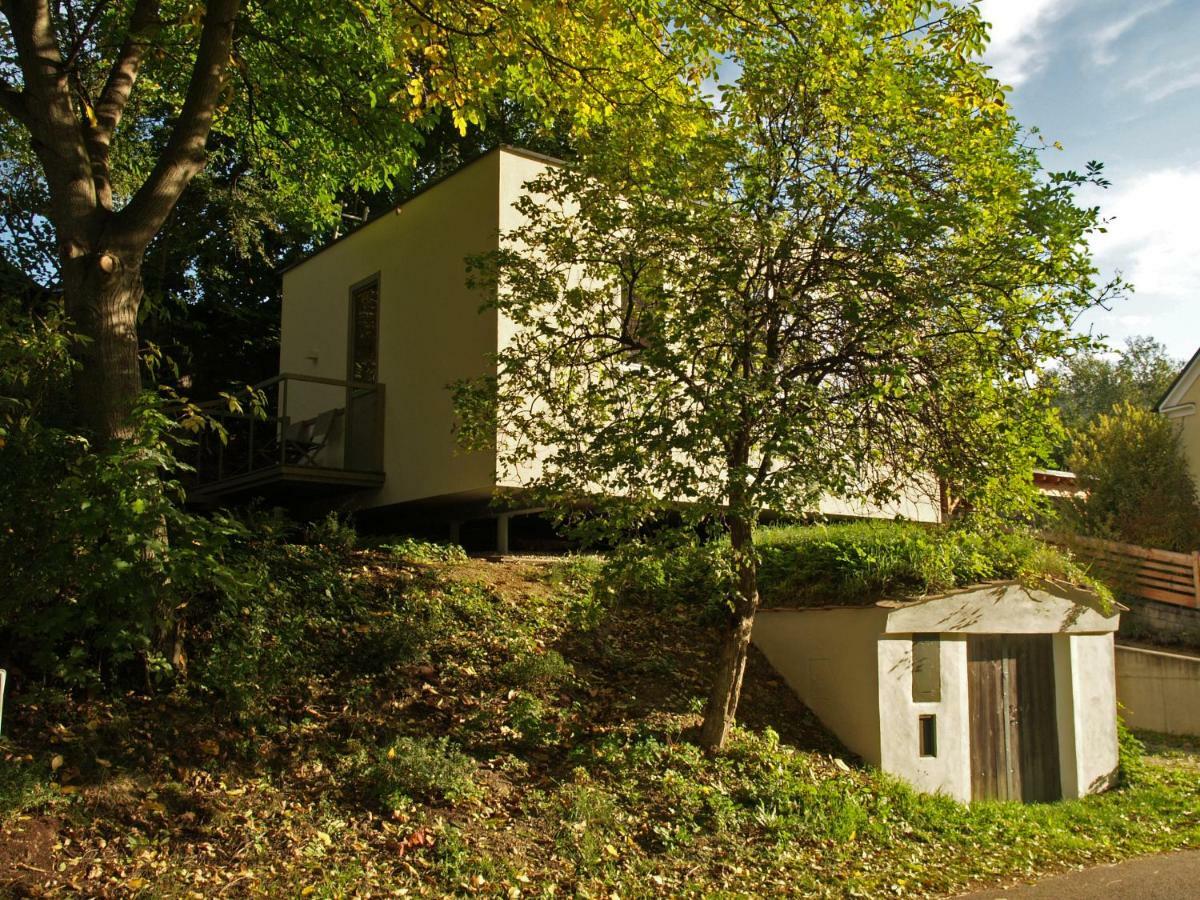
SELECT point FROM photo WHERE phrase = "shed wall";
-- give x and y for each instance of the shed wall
(1094, 721)
(949, 772)
(829, 658)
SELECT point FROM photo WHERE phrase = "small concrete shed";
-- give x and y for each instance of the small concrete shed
(997, 691)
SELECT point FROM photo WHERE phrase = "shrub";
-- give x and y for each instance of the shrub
(1139, 488)
(844, 564)
(674, 569)
(421, 769)
(278, 626)
(544, 671)
(415, 550)
(1131, 755)
(99, 559)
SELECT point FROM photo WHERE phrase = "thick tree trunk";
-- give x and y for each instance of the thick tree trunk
(103, 293)
(735, 642)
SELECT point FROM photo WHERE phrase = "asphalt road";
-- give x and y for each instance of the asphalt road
(1171, 876)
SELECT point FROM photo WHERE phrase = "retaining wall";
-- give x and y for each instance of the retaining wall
(1159, 690)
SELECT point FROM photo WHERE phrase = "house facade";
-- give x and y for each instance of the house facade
(375, 328)
(1181, 403)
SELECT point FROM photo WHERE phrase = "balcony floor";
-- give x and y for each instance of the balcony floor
(280, 481)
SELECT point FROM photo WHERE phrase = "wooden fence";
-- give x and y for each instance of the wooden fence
(1161, 575)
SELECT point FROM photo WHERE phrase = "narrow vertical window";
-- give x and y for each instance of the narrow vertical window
(926, 668)
(364, 332)
(927, 730)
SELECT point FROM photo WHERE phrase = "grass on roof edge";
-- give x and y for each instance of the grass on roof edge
(854, 564)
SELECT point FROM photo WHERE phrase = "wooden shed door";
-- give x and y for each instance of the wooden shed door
(1014, 725)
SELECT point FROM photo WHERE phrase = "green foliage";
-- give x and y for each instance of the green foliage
(542, 671)
(837, 564)
(1131, 752)
(672, 569)
(333, 532)
(1138, 483)
(23, 788)
(421, 770)
(855, 563)
(698, 330)
(1091, 383)
(98, 554)
(414, 550)
(251, 641)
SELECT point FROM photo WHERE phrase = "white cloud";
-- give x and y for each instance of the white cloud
(1154, 240)
(1162, 81)
(1018, 35)
(1104, 38)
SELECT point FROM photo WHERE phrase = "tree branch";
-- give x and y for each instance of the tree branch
(184, 155)
(12, 102)
(51, 120)
(115, 94)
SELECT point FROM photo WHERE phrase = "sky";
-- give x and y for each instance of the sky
(1119, 81)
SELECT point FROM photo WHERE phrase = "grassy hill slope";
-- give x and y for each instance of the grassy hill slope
(407, 721)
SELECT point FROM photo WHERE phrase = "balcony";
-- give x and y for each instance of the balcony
(320, 436)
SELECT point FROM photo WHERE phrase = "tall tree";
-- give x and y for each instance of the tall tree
(1136, 480)
(116, 103)
(848, 284)
(1095, 382)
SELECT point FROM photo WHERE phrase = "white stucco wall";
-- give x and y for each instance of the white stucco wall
(431, 330)
(949, 772)
(1094, 721)
(829, 658)
(1004, 608)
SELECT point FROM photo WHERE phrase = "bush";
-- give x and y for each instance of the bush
(421, 769)
(814, 565)
(1131, 755)
(98, 555)
(676, 568)
(1139, 487)
(277, 627)
(843, 564)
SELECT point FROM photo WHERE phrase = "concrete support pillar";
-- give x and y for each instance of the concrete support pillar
(502, 533)
(456, 532)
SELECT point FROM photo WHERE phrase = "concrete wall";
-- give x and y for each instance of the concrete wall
(830, 659)
(431, 330)
(949, 772)
(1159, 691)
(1090, 725)
(1004, 608)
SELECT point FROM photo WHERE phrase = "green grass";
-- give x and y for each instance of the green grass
(485, 729)
(862, 562)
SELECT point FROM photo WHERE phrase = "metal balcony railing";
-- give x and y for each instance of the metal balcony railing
(314, 429)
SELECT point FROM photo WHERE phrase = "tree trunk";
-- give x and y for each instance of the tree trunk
(103, 293)
(735, 642)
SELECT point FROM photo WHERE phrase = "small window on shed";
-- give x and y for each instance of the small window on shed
(926, 668)
(927, 730)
